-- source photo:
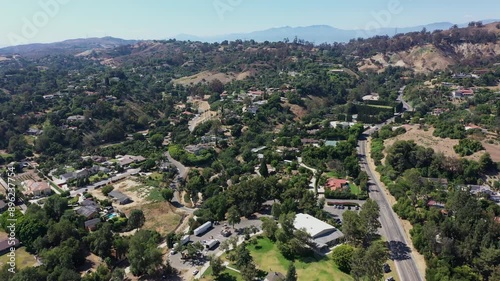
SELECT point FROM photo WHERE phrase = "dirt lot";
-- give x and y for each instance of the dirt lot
(426, 139)
(160, 216)
(133, 189)
(91, 263)
(493, 150)
(206, 76)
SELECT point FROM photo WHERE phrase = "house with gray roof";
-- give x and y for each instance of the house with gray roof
(119, 197)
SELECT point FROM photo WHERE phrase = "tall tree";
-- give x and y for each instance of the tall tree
(354, 228)
(144, 255)
(370, 214)
(263, 169)
(217, 266)
(136, 219)
(291, 274)
(342, 256)
(233, 216)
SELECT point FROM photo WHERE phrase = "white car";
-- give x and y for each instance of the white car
(195, 271)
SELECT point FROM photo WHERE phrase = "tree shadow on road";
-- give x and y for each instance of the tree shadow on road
(399, 251)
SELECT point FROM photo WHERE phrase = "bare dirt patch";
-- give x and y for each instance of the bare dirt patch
(297, 110)
(160, 216)
(91, 263)
(426, 139)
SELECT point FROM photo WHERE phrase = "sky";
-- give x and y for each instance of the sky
(42, 21)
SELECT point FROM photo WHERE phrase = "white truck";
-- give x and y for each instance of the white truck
(203, 228)
(185, 239)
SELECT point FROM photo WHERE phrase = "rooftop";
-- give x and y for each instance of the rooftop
(312, 225)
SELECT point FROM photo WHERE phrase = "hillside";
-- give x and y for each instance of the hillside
(436, 51)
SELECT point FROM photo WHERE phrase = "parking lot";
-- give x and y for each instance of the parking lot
(213, 233)
(337, 211)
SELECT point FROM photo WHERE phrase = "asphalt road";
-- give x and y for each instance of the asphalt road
(392, 229)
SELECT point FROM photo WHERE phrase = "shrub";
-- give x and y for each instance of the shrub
(107, 189)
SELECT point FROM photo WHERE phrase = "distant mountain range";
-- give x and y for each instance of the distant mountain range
(68, 46)
(318, 33)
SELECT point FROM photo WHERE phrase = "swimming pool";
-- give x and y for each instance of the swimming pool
(110, 216)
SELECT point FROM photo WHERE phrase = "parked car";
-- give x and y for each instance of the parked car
(390, 279)
(195, 271)
(387, 268)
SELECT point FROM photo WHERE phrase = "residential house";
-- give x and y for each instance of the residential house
(119, 197)
(89, 212)
(34, 132)
(438, 111)
(196, 149)
(82, 173)
(275, 276)
(129, 159)
(255, 94)
(91, 225)
(462, 93)
(435, 204)
(36, 188)
(251, 109)
(6, 244)
(75, 118)
(312, 142)
(341, 124)
(335, 184)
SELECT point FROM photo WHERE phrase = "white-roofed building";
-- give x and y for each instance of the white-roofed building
(321, 232)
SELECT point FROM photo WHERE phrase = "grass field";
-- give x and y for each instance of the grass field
(354, 188)
(267, 257)
(23, 259)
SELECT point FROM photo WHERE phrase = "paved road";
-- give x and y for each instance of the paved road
(392, 229)
(183, 172)
(406, 105)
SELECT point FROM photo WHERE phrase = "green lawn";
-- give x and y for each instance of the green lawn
(155, 195)
(267, 257)
(354, 188)
(227, 275)
(23, 259)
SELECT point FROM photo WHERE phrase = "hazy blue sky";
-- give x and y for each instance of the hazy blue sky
(28, 21)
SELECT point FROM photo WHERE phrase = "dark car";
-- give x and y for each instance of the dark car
(387, 268)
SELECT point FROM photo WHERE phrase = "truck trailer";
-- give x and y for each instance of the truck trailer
(202, 229)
